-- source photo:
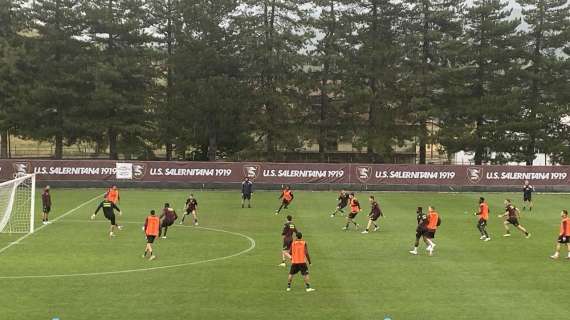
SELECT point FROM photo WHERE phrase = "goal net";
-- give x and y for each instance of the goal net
(17, 204)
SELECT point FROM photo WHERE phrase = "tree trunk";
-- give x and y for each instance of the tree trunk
(371, 130)
(423, 142)
(112, 133)
(322, 119)
(324, 143)
(530, 150)
(479, 148)
(113, 153)
(530, 161)
(58, 154)
(58, 147)
(169, 82)
(212, 146)
(269, 144)
(372, 83)
(479, 92)
(269, 23)
(478, 156)
(425, 65)
(535, 92)
(4, 144)
(169, 150)
(181, 151)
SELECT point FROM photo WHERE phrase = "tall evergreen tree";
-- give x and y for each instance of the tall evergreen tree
(13, 73)
(432, 27)
(483, 95)
(274, 36)
(375, 59)
(561, 153)
(326, 75)
(545, 80)
(167, 21)
(212, 95)
(59, 83)
(123, 75)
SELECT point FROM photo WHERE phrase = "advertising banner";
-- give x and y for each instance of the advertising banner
(285, 173)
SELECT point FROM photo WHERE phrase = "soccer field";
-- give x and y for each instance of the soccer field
(227, 267)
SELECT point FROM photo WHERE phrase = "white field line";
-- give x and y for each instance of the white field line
(22, 238)
(250, 248)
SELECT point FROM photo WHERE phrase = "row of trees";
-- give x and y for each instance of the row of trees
(226, 76)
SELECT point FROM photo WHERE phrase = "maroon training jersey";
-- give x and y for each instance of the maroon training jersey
(169, 214)
(191, 204)
(512, 211)
(46, 199)
(375, 209)
(288, 230)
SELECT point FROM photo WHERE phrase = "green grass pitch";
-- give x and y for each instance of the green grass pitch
(356, 276)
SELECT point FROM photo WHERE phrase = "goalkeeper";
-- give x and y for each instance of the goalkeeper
(109, 212)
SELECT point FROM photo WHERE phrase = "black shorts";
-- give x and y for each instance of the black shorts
(285, 202)
(111, 217)
(352, 215)
(374, 217)
(46, 209)
(513, 221)
(564, 239)
(420, 232)
(150, 239)
(482, 222)
(302, 267)
(190, 211)
(341, 205)
(246, 196)
(167, 223)
(287, 244)
(430, 234)
(527, 197)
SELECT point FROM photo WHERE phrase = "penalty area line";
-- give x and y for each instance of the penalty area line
(22, 238)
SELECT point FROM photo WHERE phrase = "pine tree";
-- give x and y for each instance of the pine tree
(59, 86)
(326, 76)
(167, 20)
(545, 80)
(13, 64)
(212, 95)
(432, 27)
(373, 70)
(274, 34)
(483, 93)
(123, 75)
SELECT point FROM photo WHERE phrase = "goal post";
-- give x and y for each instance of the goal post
(17, 204)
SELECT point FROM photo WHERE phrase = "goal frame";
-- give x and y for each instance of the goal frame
(31, 176)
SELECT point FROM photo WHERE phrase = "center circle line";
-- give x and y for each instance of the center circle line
(178, 265)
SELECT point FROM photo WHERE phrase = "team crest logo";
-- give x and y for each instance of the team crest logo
(139, 170)
(363, 173)
(474, 175)
(251, 171)
(21, 168)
